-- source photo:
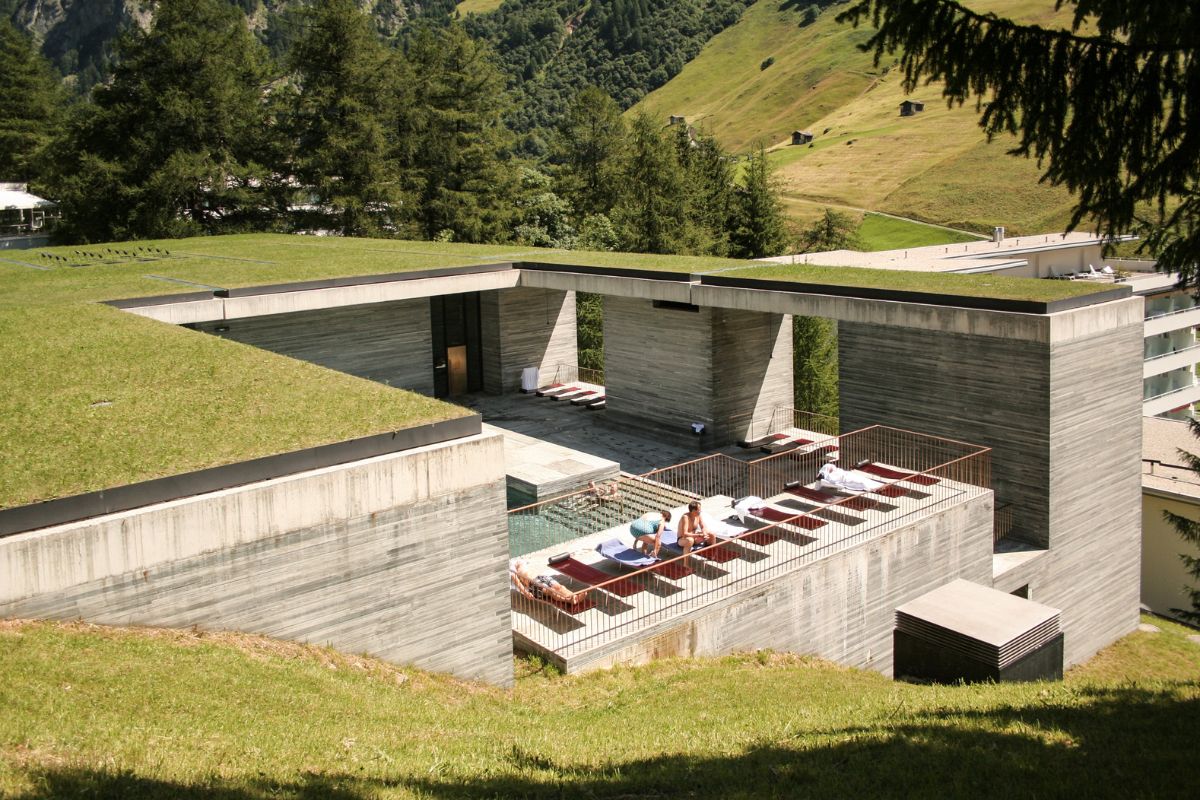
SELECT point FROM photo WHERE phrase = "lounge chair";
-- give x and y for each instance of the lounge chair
(804, 521)
(574, 391)
(856, 502)
(583, 400)
(586, 573)
(596, 405)
(755, 531)
(623, 554)
(784, 445)
(542, 390)
(897, 475)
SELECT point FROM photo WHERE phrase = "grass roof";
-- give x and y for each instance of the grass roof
(93, 397)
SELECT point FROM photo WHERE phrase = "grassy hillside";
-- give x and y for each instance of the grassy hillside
(100, 712)
(935, 166)
(477, 6)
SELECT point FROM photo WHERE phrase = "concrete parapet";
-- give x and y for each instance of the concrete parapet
(359, 556)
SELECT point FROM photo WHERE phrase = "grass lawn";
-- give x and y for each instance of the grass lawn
(96, 712)
(880, 232)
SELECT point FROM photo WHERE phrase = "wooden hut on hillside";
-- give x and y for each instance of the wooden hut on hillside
(801, 137)
(910, 107)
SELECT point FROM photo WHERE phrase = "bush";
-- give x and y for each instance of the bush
(767, 62)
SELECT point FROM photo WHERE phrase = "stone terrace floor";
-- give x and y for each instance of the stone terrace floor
(580, 429)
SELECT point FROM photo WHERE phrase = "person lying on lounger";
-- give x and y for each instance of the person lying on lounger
(693, 533)
(848, 480)
(648, 530)
(529, 583)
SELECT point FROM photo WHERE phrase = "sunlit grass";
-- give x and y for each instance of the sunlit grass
(110, 713)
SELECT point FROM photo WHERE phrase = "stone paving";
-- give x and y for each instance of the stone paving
(577, 428)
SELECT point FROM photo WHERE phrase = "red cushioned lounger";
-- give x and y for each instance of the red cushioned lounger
(784, 446)
(897, 475)
(541, 391)
(789, 517)
(592, 576)
(855, 502)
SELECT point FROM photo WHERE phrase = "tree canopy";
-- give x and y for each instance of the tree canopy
(1108, 106)
(29, 105)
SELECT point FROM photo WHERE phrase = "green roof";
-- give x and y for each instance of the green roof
(94, 397)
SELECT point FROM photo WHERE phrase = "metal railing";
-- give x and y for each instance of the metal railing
(933, 474)
(785, 418)
(571, 373)
(1187, 349)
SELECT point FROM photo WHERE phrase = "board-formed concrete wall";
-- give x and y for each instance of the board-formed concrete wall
(526, 327)
(382, 556)
(1058, 398)
(385, 342)
(665, 368)
(842, 607)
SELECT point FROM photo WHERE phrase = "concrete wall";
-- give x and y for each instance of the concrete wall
(359, 556)
(386, 342)
(1163, 574)
(665, 368)
(526, 327)
(1059, 402)
(841, 608)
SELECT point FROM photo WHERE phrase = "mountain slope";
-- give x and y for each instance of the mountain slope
(935, 166)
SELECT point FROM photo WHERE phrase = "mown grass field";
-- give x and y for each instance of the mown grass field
(477, 6)
(936, 166)
(96, 712)
(879, 232)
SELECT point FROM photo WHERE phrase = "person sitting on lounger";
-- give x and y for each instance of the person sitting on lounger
(648, 530)
(527, 581)
(604, 491)
(848, 480)
(693, 533)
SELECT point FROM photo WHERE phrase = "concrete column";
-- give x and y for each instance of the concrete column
(724, 368)
(525, 327)
(1060, 406)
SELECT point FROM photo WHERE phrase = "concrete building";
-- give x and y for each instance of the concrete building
(713, 367)
(1167, 485)
(1170, 351)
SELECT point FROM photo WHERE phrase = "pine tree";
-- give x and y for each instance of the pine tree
(1109, 106)
(650, 213)
(1189, 530)
(176, 143)
(30, 100)
(341, 121)
(589, 145)
(455, 143)
(833, 231)
(759, 230)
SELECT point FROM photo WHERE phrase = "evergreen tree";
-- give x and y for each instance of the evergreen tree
(650, 213)
(708, 192)
(814, 341)
(759, 230)
(176, 143)
(341, 121)
(833, 231)
(455, 143)
(1110, 106)
(589, 145)
(30, 99)
(1189, 531)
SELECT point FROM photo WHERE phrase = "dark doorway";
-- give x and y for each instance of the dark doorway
(457, 356)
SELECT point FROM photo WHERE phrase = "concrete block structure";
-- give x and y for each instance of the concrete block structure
(356, 556)
(526, 327)
(724, 369)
